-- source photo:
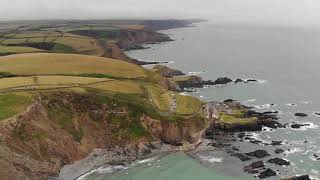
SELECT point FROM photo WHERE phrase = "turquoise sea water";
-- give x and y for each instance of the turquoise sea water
(176, 166)
(285, 60)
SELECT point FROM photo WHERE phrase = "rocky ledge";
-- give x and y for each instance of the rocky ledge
(232, 116)
(193, 81)
(165, 71)
(185, 82)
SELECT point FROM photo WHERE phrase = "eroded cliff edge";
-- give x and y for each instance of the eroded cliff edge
(60, 128)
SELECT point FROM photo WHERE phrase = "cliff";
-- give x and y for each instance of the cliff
(130, 40)
(60, 128)
(157, 25)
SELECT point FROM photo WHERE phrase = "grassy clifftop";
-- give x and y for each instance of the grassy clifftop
(36, 72)
(73, 64)
(56, 108)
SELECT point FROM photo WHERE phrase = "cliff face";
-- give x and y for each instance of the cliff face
(36, 146)
(60, 128)
(178, 133)
(129, 40)
(167, 24)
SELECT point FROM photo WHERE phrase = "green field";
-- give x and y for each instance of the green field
(18, 49)
(120, 86)
(71, 43)
(46, 64)
(72, 64)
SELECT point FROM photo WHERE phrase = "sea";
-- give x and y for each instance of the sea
(285, 61)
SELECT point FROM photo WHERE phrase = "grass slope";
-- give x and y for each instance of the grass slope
(160, 97)
(66, 42)
(120, 86)
(52, 63)
(18, 49)
(188, 105)
(11, 104)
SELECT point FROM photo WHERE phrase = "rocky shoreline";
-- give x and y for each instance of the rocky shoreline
(100, 158)
(220, 132)
(217, 135)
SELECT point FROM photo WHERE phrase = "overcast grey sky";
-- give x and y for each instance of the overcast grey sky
(264, 11)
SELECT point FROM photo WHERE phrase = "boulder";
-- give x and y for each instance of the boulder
(267, 173)
(279, 151)
(279, 161)
(241, 135)
(272, 124)
(276, 143)
(297, 126)
(242, 157)
(229, 100)
(222, 80)
(239, 81)
(258, 154)
(317, 157)
(301, 114)
(252, 168)
(303, 177)
(252, 80)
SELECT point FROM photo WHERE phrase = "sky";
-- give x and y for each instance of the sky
(294, 12)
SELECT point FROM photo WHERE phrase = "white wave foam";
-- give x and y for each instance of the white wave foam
(313, 171)
(211, 159)
(148, 160)
(183, 94)
(264, 106)
(171, 62)
(306, 102)
(261, 81)
(317, 115)
(294, 150)
(306, 152)
(307, 125)
(310, 126)
(102, 170)
(249, 101)
(195, 73)
(291, 104)
(268, 129)
(256, 136)
(110, 169)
